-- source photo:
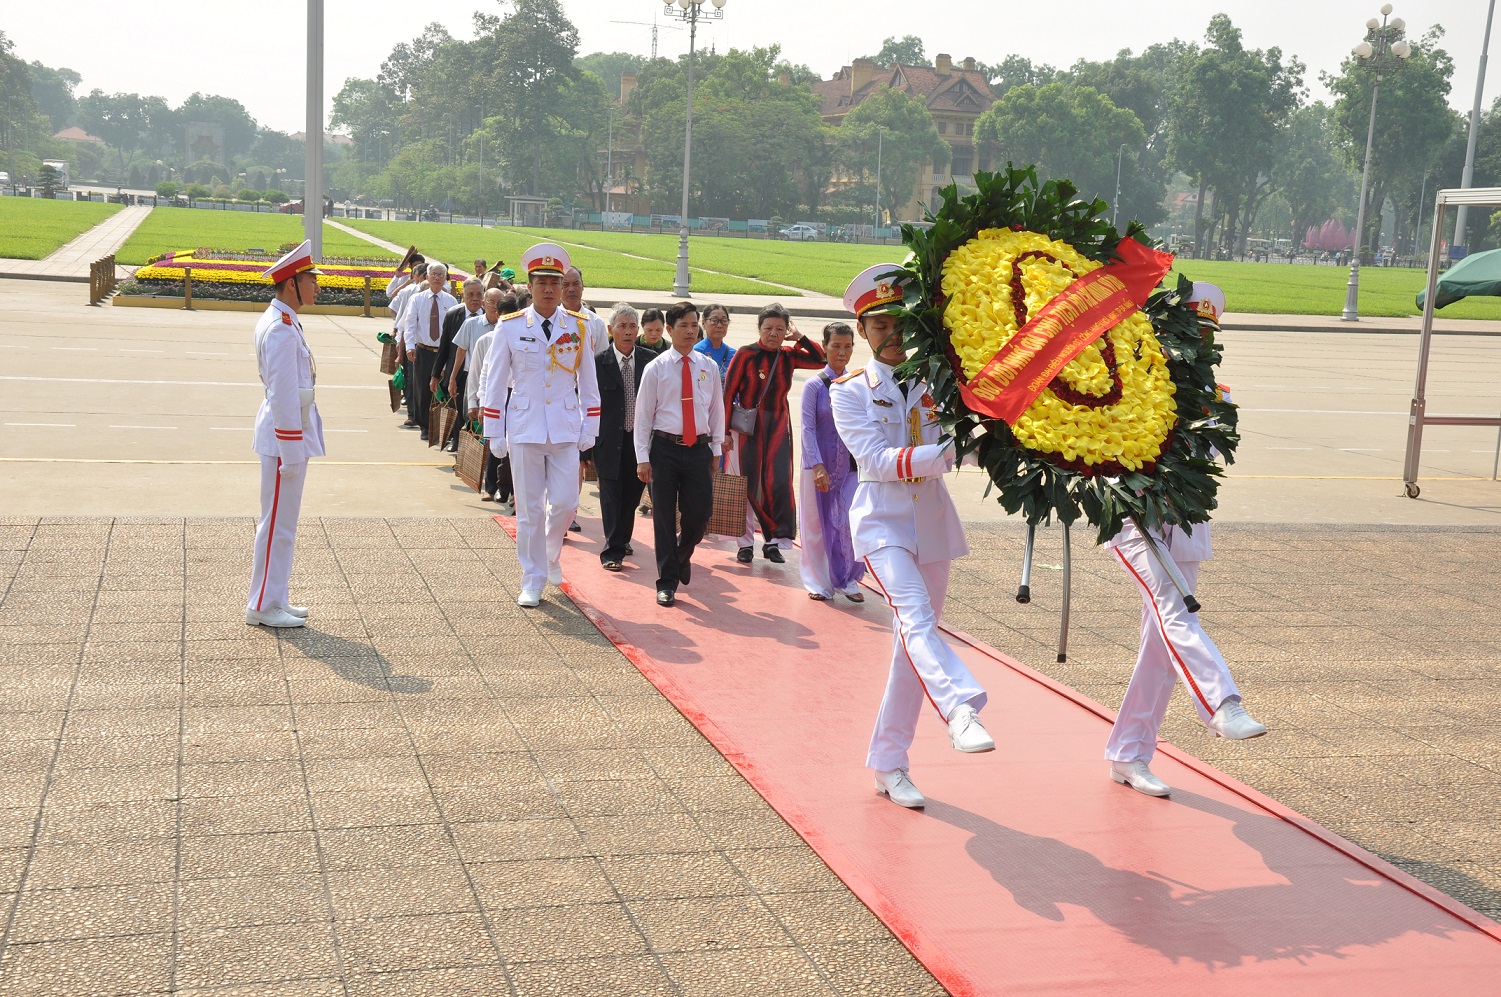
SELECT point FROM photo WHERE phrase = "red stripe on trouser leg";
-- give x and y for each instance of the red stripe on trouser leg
(270, 534)
(887, 596)
(1162, 629)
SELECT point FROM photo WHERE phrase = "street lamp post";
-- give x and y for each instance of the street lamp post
(1382, 37)
(690, 11)
(880, 134)
(312, 188)
(1115, 205)
(1462, 217)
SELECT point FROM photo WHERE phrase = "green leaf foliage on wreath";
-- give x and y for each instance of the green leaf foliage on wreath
(1180, 488)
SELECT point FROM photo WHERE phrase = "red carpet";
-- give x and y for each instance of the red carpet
(1029, 872)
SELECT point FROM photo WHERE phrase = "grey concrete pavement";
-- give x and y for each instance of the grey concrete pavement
(431, 791)
(72, 260)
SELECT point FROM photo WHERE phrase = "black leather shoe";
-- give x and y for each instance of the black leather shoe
(629, 550)
(665, 598)
(773, 553)
(685, 572)
(574, 527)
(745, 554)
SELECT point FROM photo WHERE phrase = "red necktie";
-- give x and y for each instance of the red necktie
(432, 320)
(690, 431)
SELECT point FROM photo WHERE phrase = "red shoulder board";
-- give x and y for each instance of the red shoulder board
(927, 400)
(286, 319)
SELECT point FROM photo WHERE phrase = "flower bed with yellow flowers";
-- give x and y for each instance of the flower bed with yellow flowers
(1129, 427)
(215, 267)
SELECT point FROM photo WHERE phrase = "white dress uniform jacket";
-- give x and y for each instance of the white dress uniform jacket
(900, 500)
(287, 425)
(554, 388)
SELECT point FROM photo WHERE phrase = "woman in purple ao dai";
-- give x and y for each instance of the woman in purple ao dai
(827, 483)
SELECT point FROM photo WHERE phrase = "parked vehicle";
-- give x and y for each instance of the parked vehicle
(800, 233)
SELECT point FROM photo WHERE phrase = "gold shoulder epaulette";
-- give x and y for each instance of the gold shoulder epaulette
(854, 373)
(578, 315)
(513, 315)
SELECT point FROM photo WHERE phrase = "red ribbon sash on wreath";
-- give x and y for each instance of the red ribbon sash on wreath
(1060, 331)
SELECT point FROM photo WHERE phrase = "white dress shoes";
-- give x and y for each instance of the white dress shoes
(1139, 777)
(966, 733)
(1233, 722)
(273, 617)
(899, 788)
(529, 599)
(298, 611)
(555, 573)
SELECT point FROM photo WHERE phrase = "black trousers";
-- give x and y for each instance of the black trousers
(497, 476)
(409, 375)
(460, 423)
(618, 498)
(682, 479)
(426, 361)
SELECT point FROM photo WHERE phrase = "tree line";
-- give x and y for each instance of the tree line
(1210, 139)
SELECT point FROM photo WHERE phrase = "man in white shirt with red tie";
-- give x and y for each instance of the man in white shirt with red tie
(904, 524)
(421, 333)
(679, 433)
(540, 401)
(288, 431)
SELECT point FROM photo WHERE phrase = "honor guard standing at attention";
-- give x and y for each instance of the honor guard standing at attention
(287, 432)
(1173, 643)
(904, 524)
(540, 356)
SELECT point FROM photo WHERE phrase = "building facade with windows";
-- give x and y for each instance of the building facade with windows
(956, 96)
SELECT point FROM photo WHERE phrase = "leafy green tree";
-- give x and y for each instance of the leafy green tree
(403, 70)
(1075, 132)
(49, 180)
(1016, 71)
(1310, 173)
(197, 192)
(759, 145)
(535, 47)
(129, 122)
(248, 194)
(1413, 121)
(239, 127)
(901, 130)
(168, 189)
(610, 67)
(904, 51)
(276, 197)
(1226, 105)
(52, 92)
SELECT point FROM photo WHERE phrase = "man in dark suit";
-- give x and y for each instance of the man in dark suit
(453, 320)
(619, 367)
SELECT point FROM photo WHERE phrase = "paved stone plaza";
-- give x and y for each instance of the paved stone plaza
(432, 791)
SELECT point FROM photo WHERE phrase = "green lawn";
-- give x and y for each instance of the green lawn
(189, 228)
(1278, 288)
(461, 245)
(33, 228)
(815, 266)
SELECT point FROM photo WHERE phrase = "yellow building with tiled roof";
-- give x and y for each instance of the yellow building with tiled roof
(956, 96)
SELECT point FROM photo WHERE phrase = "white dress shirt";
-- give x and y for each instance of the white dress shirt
(469, 333)
(659, 400)
(474, 360)
(416, 315)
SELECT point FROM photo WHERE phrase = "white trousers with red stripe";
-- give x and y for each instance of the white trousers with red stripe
(1173, 646)
(546, 481)
(275, 533)
(924, 668)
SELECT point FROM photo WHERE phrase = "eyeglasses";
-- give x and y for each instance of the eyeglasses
(718, 320)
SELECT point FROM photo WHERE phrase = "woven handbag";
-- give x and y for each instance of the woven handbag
(469, 461)
(728, 517)
(396, 394)
(441, 418)
(388, 357)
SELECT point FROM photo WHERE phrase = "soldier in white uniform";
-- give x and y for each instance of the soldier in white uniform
(1173, 643)
(905, 526)
(540, 355)
(288, 431)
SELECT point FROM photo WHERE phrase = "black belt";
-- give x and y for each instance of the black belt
(675, 438)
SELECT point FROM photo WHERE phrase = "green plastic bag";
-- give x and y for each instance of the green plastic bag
(400, 380)
(440, 396)
(384, 337)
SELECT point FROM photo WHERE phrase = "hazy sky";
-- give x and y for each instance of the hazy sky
(259, 58)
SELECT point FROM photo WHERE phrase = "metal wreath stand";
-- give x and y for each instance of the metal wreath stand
(1418, 416)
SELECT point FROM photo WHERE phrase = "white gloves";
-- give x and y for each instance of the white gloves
(586, 443)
